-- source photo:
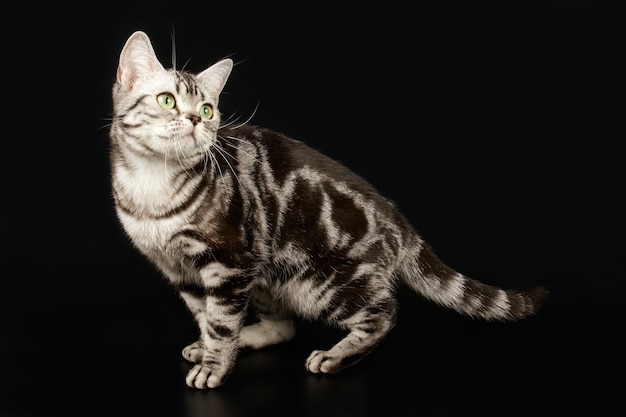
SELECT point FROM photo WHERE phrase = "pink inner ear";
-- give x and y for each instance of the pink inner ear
(125, 72)
(136, 59)
(125, 76)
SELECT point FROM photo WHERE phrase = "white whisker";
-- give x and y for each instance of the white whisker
(232, 122)
(251, 155)
(167, 149)
(224, 155)
(185, 64)
(219, 170)
(206, 155)
(173, 49)
(229, 123)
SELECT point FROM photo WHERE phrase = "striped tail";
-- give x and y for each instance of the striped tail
(429, 276)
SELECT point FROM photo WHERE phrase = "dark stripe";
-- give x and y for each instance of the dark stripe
(120, 203)
(186, 80)
(346, 214)
(192, 234)
(198, 193)
(135, 104)
(193, 288)
(518, 306)
(125, 126)
(430, 264)
(146, 150)
(233, 288)
(352, 296)
(217, 331)
(232, 294)
(301, 221)
(484, 294)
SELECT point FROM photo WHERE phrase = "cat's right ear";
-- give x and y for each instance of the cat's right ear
(137, 60)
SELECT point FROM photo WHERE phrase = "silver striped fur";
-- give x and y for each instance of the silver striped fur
(246, 219)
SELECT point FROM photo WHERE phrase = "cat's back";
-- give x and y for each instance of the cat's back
(288, 158)
(295, 187)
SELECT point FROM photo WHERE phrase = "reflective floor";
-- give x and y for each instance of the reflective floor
(90, 348)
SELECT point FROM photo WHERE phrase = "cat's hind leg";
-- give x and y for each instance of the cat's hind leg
(366, 329)
(273, 325)
(268, 331)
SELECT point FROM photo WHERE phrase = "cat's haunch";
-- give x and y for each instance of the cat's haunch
(242, 218)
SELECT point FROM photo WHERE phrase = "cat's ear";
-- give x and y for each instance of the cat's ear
(137, 60)
(214, 78)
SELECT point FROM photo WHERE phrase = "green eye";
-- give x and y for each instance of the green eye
(166, 100)
(206, 111)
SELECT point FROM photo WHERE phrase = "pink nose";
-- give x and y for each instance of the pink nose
(194, 119)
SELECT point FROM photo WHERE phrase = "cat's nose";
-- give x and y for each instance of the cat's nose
(194, 118)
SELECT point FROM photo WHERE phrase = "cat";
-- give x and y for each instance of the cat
(244, 219)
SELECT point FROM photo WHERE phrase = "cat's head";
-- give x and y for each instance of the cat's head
(164, 111)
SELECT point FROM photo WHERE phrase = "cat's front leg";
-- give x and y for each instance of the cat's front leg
(216, 364)
(219, 308)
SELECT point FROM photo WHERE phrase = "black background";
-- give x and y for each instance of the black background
(497, 127)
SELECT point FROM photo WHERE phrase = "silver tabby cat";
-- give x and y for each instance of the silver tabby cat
(241, 218)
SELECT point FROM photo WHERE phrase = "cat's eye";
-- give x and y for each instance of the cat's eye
(206, 111)
(166, 100)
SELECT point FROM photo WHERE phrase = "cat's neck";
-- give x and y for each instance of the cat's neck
(152, 185)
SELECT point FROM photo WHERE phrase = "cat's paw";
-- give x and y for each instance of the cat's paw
(203, 376)
(321, 361)
(193, 352)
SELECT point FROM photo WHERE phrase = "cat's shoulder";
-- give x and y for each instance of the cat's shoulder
(283, 150)
(271, 140)
(257, 133)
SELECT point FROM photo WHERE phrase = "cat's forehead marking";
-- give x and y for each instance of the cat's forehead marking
(186, 83)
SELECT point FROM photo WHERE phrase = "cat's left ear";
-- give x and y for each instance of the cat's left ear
(214, 78)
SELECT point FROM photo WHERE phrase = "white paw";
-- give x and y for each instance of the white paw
(205, 376)
(320, 361)
(193, 352)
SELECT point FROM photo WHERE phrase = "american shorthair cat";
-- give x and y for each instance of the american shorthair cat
(244, 219)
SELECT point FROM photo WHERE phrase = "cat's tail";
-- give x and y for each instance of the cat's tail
(429, 276)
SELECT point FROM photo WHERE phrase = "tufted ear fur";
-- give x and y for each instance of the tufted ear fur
(137, 60)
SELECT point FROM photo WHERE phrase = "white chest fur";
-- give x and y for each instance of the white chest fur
(148, 192)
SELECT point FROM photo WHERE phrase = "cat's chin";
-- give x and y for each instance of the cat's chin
(189, 144)
(182, 154)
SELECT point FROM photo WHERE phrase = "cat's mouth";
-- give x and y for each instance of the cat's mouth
(185, 136)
